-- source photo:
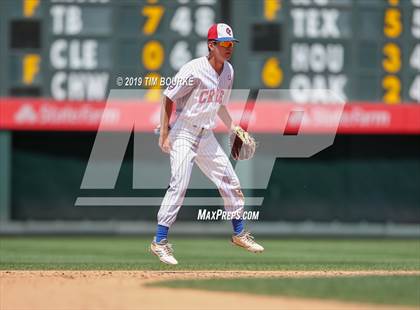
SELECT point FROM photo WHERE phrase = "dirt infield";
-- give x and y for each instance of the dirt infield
(127, 290)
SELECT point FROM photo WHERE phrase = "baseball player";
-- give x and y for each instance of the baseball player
(191, 139)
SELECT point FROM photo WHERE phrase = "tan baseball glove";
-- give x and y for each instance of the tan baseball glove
(242, 144)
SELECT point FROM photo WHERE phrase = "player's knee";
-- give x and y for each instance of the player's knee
(177, 185)
(178, 189)
(231, 181)
(233, 199)
(237, 192)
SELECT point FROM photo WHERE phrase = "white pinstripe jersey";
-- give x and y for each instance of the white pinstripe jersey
(198, 103)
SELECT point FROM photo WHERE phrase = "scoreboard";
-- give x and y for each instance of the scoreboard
(77, 49)
(364, 50)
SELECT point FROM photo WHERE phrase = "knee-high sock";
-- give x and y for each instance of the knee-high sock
(238, 226)
(161, 233)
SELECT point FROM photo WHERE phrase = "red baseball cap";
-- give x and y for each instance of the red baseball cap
(220, 32)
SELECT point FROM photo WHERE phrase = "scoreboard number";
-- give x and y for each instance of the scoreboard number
(180, 54)
(415, 58)
(188, 22)
(270, 9)
(392, 87)
(393, 26)
(30, 68)
(414, 91)
(30, 7)
(153, 55)
(152, 82)
(181, 21)
(204, 18)
(184, 22)
(154, 14)
(415, 25)
(392, 61)
(272, 74)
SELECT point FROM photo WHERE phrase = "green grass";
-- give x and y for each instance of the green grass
(393, 290)
(128, 253)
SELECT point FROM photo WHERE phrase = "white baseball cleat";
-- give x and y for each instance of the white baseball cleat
(164, 251)
(246, 241)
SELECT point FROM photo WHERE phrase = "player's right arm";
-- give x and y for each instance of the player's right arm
(171, 94)
(165, 116)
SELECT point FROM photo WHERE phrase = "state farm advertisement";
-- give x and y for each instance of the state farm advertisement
(265, 116)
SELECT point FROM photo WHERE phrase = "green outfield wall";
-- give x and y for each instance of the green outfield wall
(358, 179)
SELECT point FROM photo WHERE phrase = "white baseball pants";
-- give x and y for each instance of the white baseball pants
(192, 144)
